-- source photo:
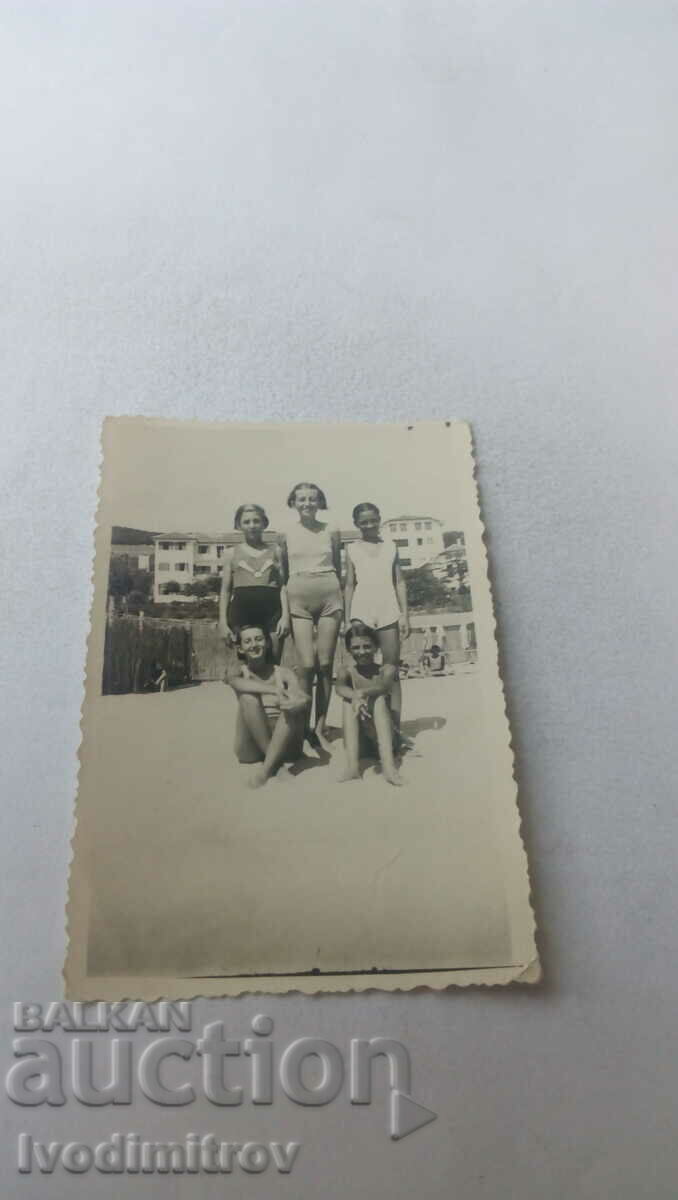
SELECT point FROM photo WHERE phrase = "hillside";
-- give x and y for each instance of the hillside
(123, 535)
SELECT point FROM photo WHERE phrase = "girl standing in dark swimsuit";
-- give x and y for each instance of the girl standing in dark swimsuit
(252, 590)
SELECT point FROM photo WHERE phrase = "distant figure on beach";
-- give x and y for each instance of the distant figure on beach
(312, 554)
(376, 595)
(252, 586)
(159, 681)
(436, 661)
(271, 706)
(365, 690)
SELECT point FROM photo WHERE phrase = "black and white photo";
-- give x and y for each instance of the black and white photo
(296, 761)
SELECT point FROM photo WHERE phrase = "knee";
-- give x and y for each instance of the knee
(325, 665)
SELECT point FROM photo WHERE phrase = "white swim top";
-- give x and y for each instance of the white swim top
(373, 562)
(309, 551)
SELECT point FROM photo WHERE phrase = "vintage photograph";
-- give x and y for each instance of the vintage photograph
(296, 766)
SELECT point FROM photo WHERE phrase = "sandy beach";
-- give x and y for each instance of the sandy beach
(305, 874)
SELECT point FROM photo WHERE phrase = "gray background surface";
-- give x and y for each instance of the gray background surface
(377, 211)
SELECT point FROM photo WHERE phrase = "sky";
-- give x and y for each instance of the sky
(190, 477)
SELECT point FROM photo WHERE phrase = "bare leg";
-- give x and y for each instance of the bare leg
(389, 644)
(351, 726)
(384, 728)
(287, 729)
(328, 632)
(302, 632)
(252, 734)
(277, 647)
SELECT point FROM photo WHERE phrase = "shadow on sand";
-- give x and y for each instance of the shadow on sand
(307, 763)
(421, 724)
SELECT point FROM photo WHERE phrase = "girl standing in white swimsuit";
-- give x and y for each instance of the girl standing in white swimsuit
(375, 593)
(312, 552)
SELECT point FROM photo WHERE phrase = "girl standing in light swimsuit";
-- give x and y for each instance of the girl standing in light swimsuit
(313, 556)
(376, 595)
(252, 589)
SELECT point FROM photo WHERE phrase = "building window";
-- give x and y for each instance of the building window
(428, 525)
(420, 541)
(417, 524)
(403, 525)
(406, 562)
(181, 566)
(163, 566)
(401, 541)
(164, 545)
(201, 570)
(202, 548)
(220, 569)
(220, 551)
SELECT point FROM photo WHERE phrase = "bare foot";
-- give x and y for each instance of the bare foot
(258, 778)
(312, 738)
(394, 778)
(323, 741)
(349, 774)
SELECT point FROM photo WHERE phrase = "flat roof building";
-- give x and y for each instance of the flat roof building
(419, 539)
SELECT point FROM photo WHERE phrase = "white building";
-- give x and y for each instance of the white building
(419, 539)
(182, 558)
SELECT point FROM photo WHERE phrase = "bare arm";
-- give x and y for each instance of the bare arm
(336, 553)
(284, 559)
(248, 687)
(284, 622)
(343, 686)
(349, 587)
(285, 608)
(225, 596)
(401, 593)
(294, 697)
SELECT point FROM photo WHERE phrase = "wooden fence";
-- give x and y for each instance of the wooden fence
(137, 649)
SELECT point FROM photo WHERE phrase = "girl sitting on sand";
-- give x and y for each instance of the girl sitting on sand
(375, 593)
(313, 559)
(365, 689)
(271, 706)
(252, 590)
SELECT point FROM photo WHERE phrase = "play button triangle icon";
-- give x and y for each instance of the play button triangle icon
(407, 1115)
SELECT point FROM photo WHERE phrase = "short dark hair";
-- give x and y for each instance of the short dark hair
(364, 504)
(322, 500)
(357, 629)
(253, 625)
(243, 508)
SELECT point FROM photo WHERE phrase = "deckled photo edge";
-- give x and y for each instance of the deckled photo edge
(78, 984)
